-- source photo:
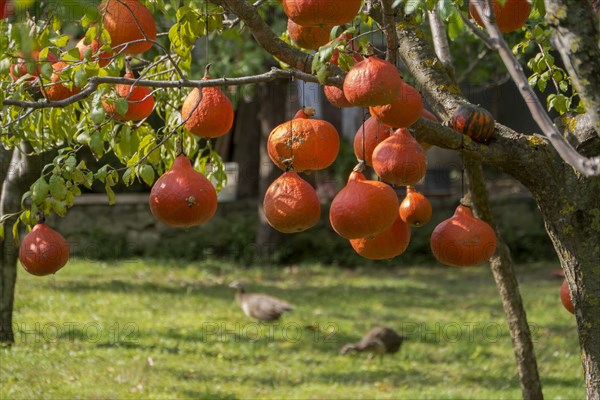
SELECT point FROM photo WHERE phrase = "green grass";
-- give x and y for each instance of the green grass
(158, 330)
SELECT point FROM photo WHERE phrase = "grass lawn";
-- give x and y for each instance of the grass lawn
(160, 330)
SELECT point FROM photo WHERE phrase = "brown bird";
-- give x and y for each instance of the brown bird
(378, 340)
(258, 305)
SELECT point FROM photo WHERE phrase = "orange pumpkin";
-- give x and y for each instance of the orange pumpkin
(385, 245)
(182, 197)
(374, 133)
(372, 82)
(404, 111)
(400, 159)
(43, 251)
(474, 121)
(509, 17)
(309, 144)
(565, 297)
(29, 65)
(363, 208)
(209, 117)
(291, 204)
(308, 37)
(334, 94)
(415, 209)
(321, 12)
(140, 101)
(104, 58)
(128, 21)
(56, 91)
(463, 240)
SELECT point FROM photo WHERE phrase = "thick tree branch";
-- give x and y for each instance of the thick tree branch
(389, 27)
(440, 39)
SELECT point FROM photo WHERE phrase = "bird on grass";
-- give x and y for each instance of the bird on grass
(258, 305)
(378, 340)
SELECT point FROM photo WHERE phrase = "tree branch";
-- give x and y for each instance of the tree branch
(389, 27)
(440, 39)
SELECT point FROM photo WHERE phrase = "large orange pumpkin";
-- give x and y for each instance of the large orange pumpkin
(182, 197)
(308, 37)
(128, 21)
(385, 245)
(321, 12)
(463, 240)
(415, 209)
(210, 116)
(43, 251)
(308, 144)
(291, 204)
(140, 101)
(363, 208)
(336, 96)
(565, 297)
(400, 159)
(374, 133)
(58, 91)
(29, 65)
(372, 82)
(104, 58)
(404, 111)
(509, 17)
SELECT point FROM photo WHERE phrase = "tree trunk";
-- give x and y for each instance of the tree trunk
(508, 286)
(246, 136)
(18, 175)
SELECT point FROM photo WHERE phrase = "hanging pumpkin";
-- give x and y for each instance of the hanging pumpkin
(291, 204)
(374, 133)
(400, 159)
(43, 251)
(309, 144)
(182, 197)
(334, 94)
(363, 208)
(565, 297)
(404, 111)
(140, 101)
(372, 82)
(415, 209)
(29, 65)
(463, 240)
(308, 37)
(210, 116)
(473, 121)
(385, 245)
(321, 12)
(57, 90)
(509, 17)
(104, 58)
(128, 21)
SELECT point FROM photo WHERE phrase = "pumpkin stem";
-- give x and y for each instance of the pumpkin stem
(207, 71)
(360, 167)
(178, 147)
(466, 200)
(40, 217)
(305, 113)
(370, 50)
(128, 69)
(289, 164)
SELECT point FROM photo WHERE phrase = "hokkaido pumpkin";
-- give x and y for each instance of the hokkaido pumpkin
(473, 121)
(140, 101)
(334, 94)
(57, 90)
(210, 116)
(291, 204)
(463, 240)
(509, 17)
(29, 64)
(104, 58)
(385, 245)
(182, 197)
(404, 111)
(363, 208)
(374, 133)
(43, 251)
(565, 297)
(372, 82)
(308, 37)
(321, 12)
(308, 144)
(415, 209)
(400, 159)
(128, 21)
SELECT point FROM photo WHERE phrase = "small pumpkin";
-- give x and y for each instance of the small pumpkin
(474, 121)
(404, 111)
(291, 204)
(400, 159)
(128, 21)
(210, 116)
(374, 133)
(309, 144)
(372, 82)
(57, 90)
(29, 64)
(43, 251)
(321, 12)
(104, 58)
(334, 94)
(140, 101)
(509, 17)
(308, 37)
(363, 208)
(463, 240)
(183, 197)
(565, 297)
(415, 209)
(385, 245)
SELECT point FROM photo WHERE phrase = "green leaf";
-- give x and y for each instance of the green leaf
(39, 191)
(1, 231)
(111, 194)
(147, 174)
(129, 176)
(58, 188)
(15, 232)
(60, 41)
(121, 105)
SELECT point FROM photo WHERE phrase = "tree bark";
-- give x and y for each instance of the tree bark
(18, 175)
(246, 136)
